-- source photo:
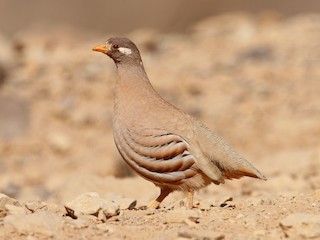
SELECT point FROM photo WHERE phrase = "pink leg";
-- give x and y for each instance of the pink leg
(163, 194)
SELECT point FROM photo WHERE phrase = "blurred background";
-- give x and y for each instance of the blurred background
(248, 69)
(107, 16)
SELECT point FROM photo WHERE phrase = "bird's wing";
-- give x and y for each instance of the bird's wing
(157, 155)
(218, 154)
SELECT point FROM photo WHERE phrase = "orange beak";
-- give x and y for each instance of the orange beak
(100, 48)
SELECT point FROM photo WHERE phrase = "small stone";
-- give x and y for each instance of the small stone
(16, 210)
(34, 206)
(225, 203)
(191, 222)
(101, 216)
(127, 203)
(301, 225)
(124, 202)
(111, 209)
(4, 200)
(52, 207)
(92, 204)
(200, 235)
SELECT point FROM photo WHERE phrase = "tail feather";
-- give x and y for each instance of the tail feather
(221, 160)
(238, 173)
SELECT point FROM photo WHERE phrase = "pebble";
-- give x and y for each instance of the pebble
(303, 225)
(16, 210)
(200, 235)
(124, 202)
(92, 204)
(34, 206)
(4, 200)
(226, 203)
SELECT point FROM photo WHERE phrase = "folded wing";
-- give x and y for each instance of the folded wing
(157, 155)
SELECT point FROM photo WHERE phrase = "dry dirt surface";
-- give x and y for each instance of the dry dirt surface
(254, 79)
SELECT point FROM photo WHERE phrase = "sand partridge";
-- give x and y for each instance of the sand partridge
(160, 142)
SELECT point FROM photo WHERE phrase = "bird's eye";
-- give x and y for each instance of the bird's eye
(115, 46)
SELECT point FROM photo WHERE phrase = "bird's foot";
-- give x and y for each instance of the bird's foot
(154, 204)
(189, 203)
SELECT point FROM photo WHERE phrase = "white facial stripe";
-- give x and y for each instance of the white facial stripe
(126, 51)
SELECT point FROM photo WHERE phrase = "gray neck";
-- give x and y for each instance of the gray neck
(132, 84)
(133, 79)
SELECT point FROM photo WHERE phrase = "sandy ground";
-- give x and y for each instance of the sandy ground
(255, 80)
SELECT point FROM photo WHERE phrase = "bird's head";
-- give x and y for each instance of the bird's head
(121, 50)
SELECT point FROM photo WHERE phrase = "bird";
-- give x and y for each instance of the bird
(160, 142)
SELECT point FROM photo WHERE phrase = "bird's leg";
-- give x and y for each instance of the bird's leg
(190, 199)
(163, 194)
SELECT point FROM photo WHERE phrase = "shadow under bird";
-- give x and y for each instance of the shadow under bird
(160, 142)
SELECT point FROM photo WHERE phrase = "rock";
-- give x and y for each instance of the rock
(16, 210)
(34, 206)
(124, 202)
(200, 235)
(225, 203)
(182, 215)
(301, 225)
(92, 204)
(43, 222)
(4, 201)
